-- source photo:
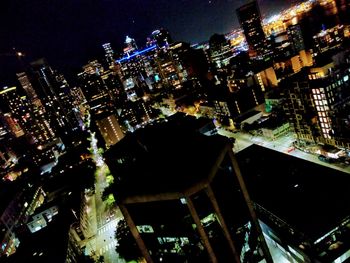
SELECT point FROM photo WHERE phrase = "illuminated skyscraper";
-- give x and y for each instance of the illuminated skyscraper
(317, 104)
(110, 129)
(28, 88)
(109, 53)
(23, 115)
(54, 92)
(162, 37)
(130, 46)
(220, 51)
(250, 20)
(92, 82)
(13, 125)
(296, 38)
(138, 69)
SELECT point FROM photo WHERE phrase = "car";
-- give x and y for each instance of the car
(290, 149)
(325, 159)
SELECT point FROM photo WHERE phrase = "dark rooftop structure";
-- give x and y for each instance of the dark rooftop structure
(312, 199)
(168, 172)
(163, 158)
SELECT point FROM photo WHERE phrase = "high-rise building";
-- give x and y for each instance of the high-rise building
(110, 129)
(162, 37)
(54, 93)
(23, 118)
(39, 126)
(170, 69)
(97, 96)
(130, 46)
(4, 130)
(295, 37)
(317, 104)
(138, 69)
(220, 51)
(109, 53)
(114, 87)
(101, 88)
(250, 20)
(13, 125)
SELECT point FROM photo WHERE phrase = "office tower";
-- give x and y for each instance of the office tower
(93, 67)
(193, 63)
(94, 89)
(177, 51)
(329, 39)
(114, 86)
(170, 70)
(220, 51)
(109, 128)
(103, 92)
(101, 88)
(79, 103)
(138, 69)
(39, 126)
(54, 92)
(162, 37)
(16, 105)
(109, 53)
(130, 46)
(295, 37)
(183, 201)
(317, 104)
(4, 131)
(25, 115)
(12, 125)
(250, 19)
(29, 90)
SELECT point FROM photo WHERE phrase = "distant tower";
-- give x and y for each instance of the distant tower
(109, 128)
(28, 88)
(296, 38)
(23, 113)
(130, 45)
(54, 92)
(220, 51)
(109, 53)
(250, 20)
(162, 37)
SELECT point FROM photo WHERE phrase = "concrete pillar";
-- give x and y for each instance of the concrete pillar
(201, 230)
(250, 205)
(135, 233)
(227, 235)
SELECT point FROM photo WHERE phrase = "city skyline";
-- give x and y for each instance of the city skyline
(71, 33)
(155, 149)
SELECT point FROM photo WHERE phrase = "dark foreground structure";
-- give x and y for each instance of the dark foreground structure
(184, 198)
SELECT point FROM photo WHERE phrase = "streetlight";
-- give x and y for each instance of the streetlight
(19, 54)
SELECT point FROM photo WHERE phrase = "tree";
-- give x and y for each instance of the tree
(101, 259)
(126, 245)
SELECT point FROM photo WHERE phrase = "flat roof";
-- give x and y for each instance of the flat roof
(164, 158)
(311, 198)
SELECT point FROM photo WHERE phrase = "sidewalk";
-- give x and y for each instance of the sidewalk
(281, 144)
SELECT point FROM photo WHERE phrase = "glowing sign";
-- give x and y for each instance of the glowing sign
(137, 53)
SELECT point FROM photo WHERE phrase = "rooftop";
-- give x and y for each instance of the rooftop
(311, 198)
(165, 158)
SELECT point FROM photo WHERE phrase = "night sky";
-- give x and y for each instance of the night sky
(70, 32)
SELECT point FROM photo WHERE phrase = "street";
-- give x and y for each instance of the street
(103, 219)
(283, 144)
